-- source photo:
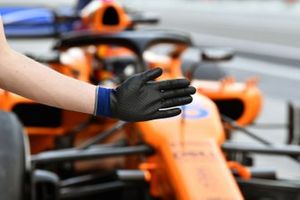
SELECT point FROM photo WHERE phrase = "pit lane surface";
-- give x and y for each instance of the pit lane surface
(268, 44)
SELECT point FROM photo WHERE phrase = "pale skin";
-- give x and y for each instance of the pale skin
(30, 79)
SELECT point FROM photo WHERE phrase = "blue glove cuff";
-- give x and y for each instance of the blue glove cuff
(102, 103)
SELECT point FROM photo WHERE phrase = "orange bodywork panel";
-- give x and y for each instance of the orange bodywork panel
(241, 170)
(94, 18)
(246, 93)
(188, 157)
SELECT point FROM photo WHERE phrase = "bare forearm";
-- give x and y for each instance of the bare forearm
(33, 80)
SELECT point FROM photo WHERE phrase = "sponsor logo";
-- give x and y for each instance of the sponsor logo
(194, 111)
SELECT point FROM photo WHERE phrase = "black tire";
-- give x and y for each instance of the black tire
(264, 189)
(12, 158)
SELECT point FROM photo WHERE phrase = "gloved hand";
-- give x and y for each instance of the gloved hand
(140, 98)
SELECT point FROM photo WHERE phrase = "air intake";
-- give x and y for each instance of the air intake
(111, 17)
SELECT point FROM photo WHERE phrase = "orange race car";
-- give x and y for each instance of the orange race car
(76, 156)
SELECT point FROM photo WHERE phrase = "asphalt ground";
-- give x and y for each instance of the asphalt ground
(267, 41)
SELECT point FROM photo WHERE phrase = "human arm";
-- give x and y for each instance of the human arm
(28, 78)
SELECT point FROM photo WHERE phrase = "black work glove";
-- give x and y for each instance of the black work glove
(140, 98)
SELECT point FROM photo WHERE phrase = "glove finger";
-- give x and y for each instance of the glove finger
(178, 93)
(177, 102)
(173, 84)
(166, 113)
(151, 74)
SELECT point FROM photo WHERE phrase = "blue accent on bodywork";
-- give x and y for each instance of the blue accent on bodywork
(194, 111)
(32, 21)
(26, 15)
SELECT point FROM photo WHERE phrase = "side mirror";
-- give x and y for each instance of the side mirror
(217, 54)
(141, 17)
(144, 18)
